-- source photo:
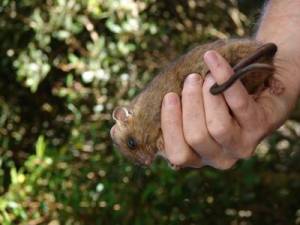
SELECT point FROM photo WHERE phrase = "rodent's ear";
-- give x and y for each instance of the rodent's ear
(121, 114)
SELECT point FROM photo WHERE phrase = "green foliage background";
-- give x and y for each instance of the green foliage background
(65, 64)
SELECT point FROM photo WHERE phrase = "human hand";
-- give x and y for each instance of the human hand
(220, 130)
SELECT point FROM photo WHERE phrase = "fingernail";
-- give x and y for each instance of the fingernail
(211, 58)
(192, 79)
(170, 99)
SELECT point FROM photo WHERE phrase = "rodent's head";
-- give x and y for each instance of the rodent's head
(131, 138)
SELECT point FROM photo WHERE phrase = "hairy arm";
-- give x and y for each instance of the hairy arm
(280, 24)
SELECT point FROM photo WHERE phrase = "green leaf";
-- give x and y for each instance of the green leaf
(40, 147)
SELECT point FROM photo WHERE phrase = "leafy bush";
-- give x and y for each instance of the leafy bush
(65, 64)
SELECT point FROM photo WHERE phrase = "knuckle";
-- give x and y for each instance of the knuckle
(223, 164)
(178, 160)
(244, 153)
(196, 139)
(218, 131)
(226, 165)
(240, 105)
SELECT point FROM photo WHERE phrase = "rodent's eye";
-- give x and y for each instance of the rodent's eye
(131, 143)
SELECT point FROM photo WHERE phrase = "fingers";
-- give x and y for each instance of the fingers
(219, 122)
(221, 129)
(194, 124)
(195, 129)
(236, 132)
(237, 98)
(179, 136)
(177, 151)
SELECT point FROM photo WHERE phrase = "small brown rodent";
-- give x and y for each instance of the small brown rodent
(137, 132)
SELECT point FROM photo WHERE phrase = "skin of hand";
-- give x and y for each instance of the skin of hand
(203, 129)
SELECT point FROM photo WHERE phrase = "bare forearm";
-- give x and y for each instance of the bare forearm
(281, 24)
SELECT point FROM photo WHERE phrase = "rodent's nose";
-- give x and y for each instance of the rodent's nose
(147, 162)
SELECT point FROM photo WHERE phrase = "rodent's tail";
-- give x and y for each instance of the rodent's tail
(247, 65)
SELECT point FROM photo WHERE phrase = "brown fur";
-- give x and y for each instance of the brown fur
(143, 114)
